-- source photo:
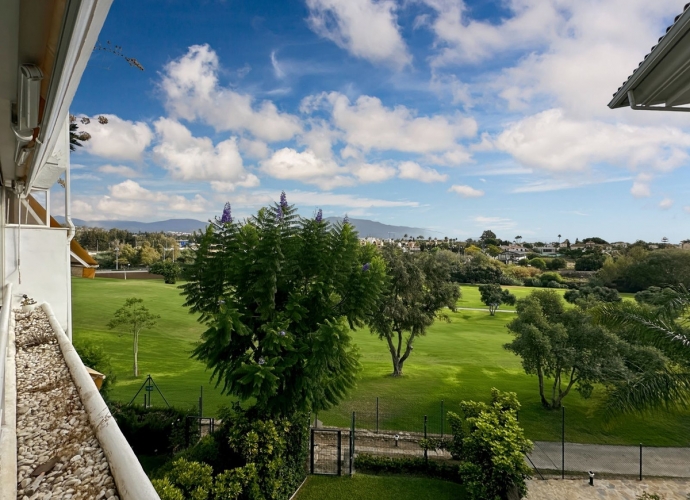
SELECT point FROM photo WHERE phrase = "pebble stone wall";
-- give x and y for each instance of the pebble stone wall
(53, 431)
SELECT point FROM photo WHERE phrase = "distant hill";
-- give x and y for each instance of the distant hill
(365, 228)
(172, 225)
(373, 229)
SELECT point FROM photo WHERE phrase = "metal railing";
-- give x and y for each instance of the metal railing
(4, 339)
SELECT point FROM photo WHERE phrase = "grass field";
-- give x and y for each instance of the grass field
(366, 487)
(455, 361)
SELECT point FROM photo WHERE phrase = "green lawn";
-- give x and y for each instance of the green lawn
(366, 487)
(455, 361)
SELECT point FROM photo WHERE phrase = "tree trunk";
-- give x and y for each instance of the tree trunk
(563, 394)
(395, 356)
(136, 355)
(540, 375)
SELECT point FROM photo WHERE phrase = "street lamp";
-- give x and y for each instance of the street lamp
(117, 258)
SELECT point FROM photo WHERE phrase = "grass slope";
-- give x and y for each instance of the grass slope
(366, 487)
(455, 361)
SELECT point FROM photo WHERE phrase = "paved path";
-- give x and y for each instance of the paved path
(663, 462)
(573, 489)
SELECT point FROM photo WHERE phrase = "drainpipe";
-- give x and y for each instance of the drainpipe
(70, 230)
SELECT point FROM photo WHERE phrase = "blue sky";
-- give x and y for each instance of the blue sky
(453, 115)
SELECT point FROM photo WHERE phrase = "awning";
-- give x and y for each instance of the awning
(662, 80)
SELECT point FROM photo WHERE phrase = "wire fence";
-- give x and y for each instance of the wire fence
(408, 434)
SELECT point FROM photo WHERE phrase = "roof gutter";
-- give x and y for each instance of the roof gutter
(82, 24)
(658, 52)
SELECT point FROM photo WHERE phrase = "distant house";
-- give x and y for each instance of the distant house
(509, 257)
(685, 245)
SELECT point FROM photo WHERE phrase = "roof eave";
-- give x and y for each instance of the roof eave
(661, 50)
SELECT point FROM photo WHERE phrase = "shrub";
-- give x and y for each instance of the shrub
(556, 264)
(491, 446)
(554, 284)
(519, 272)
(95, 357)
(538, 262)
(533, 282)
(169, 270)
(152, 431)
(551, 276)
(407, 465)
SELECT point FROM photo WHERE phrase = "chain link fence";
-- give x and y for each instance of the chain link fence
(379, 432)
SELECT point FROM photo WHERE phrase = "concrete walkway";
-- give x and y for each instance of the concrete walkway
(624, 460)
(573, 489)
(483, 309)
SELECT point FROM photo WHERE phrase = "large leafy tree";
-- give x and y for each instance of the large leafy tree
(659, 325)
(565, 346)
(493, 296)
(279, 295)
(134, 316)
(419, 288)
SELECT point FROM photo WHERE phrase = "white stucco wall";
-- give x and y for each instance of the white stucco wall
(45, 267)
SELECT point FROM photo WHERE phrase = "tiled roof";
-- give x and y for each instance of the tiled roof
(675, 20)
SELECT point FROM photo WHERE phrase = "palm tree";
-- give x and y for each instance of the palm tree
(666, 328)
(518, 239)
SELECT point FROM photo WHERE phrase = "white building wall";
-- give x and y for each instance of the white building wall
(45, 267)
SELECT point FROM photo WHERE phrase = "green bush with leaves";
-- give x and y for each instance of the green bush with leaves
(95, 357)
(168, 269)
(279, 295)
(491, 447)
(375, 464)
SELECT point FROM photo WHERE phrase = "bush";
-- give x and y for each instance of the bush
(154, 431)
(538, 262)
(519, 272)
(556, 264)
(533, 282)
(590, 262)
(551, 276)
(169, 270)
(554, 284)
(491, 446)
(407, 465)
(95, 357)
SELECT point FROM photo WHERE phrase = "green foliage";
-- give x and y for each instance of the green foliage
(375, 464)
(418, 289)
(538, 262)
(168, 269)
(546, 278)
(588, 296)
(661, 333)
(556, 264)
(491, 446)
(649, 496)
(154, 431)
(134, 316)
(656, 296)
(590, 262)
(193, 480)
(493, 296)
(278, 295)
(95, 357)
(478, 269)
(563, 345)
(166, 490)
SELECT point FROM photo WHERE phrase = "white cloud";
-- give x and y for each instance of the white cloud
(190, 158)
(466, 191)
(129, 199)
(414, 171)
(372, 172)
(367, 29)
(666, 203)
(687, 209)
(317, 199)
(118, 139)
(640, 188)
(368, 125)
(277, 70)
(306, 167)
(553, 142)
(192, 91)
(254, 149)
(495, 223)
(85, 177)
(121, 170)
(567, 182)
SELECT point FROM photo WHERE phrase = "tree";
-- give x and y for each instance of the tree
(147, 255)
(493, 250)
(538, 262)
(518, 239)
(663, 330)
(563, 345)
(493, 296)
(590, 262)
(488, 235)
(134, 316)
(419, 287)
(278, 295)
(588, 296)
(556, 264)
(168, 269)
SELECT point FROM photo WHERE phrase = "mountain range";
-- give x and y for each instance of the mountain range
(365, 228)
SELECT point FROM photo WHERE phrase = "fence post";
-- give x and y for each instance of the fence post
(352, 443)
(640, 461)
(377, 414)
(340, 453)
(562, 442)
(201, 402)
(443, 414)
(426, 457)
(311, 452)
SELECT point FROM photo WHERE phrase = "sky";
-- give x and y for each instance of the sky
(453, 115)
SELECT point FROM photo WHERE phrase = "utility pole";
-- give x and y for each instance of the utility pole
(117, 258)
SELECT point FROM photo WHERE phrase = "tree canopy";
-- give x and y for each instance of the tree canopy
(134, 316)
(419, 287)
(493, 296)
(278, 294)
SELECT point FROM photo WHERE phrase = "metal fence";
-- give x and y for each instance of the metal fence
(393, 434)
